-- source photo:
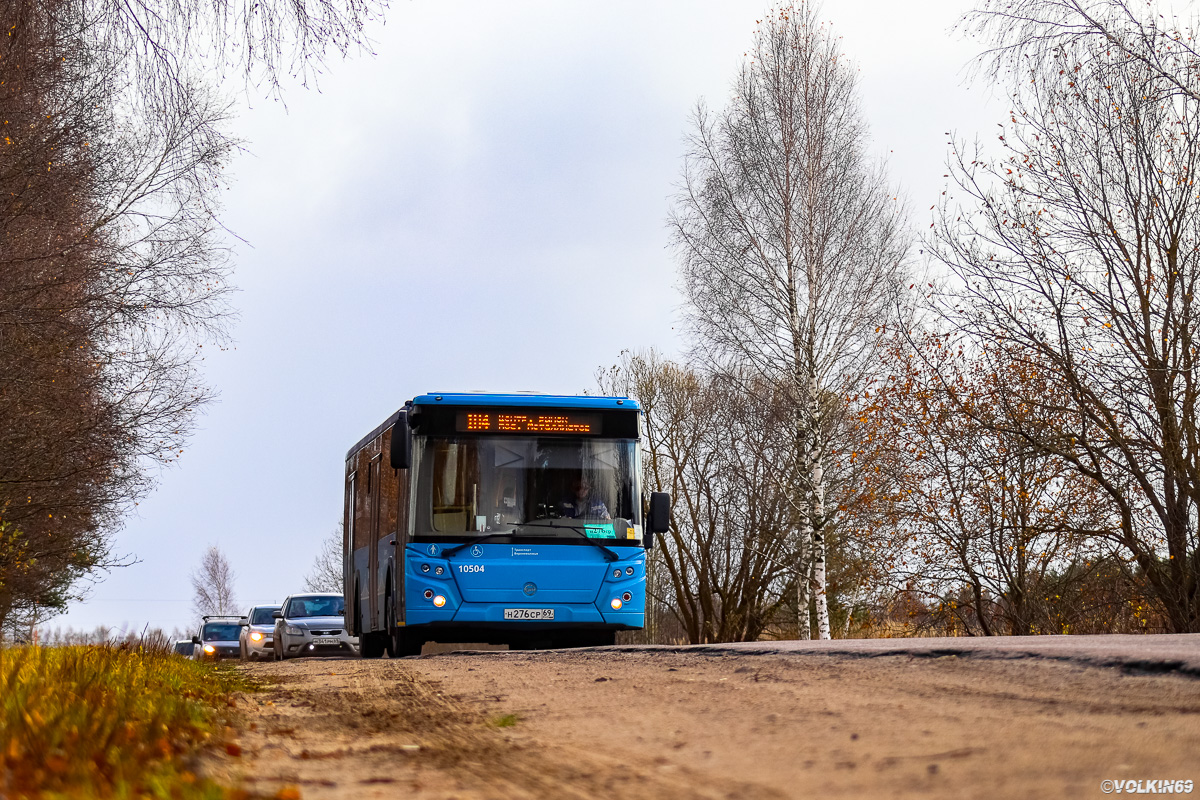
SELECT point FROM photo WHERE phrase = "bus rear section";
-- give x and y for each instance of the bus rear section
(522, 523)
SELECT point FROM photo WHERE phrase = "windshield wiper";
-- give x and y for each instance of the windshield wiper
(469, 542)
(610, 555)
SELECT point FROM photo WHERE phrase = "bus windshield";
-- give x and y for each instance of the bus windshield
(551, 486)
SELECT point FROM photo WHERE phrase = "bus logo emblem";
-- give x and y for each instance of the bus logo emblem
(477, 551)
(529, 589)
(433, 549)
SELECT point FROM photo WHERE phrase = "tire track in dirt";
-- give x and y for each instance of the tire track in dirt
(333, 729)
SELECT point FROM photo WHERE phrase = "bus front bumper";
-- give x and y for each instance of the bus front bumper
(493, 614)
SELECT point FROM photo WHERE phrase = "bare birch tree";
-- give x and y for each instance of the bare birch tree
(791, 246)
(212, 585)
(1078, 246)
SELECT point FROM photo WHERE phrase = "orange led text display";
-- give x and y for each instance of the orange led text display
(519, 422)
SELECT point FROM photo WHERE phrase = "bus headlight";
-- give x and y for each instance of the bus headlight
(617, 572)
(439, 601)
(627, 597)
(256, 637)
(616, 604)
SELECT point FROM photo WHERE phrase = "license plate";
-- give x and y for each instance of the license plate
(529, 613)
(326, 640)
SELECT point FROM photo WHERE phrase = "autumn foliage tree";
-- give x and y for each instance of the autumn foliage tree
(1077, 246)
(990, 533)
(113, 267)
(726, 560)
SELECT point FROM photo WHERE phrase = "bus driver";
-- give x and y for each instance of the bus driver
(582, 503)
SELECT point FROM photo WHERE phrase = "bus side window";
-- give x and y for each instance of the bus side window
(389, 492)
(362, 501)
(348, 525)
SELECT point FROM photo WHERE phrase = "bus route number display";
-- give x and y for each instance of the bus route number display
(539, 422)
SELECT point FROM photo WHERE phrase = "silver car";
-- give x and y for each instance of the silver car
(313, 624)
(257, 639)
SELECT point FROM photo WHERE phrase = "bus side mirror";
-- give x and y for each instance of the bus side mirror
(401, 449)
(660, 512)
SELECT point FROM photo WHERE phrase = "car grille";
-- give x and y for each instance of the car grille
(326, 633)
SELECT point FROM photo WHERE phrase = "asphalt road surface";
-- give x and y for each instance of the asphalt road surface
(1026, 717)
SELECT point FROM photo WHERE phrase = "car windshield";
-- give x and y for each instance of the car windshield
(184, 647)
(315, 607)
(543, 486)
(220, 632)
(262, 615)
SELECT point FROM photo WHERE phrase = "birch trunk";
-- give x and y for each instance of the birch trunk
(803, 579)
(817, 517)
(821, 598)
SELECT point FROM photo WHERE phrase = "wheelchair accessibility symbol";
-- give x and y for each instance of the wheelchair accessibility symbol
(477, 551)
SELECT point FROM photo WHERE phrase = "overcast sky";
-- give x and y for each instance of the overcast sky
(479, 205)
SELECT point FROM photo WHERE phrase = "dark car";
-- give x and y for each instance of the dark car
(313, 624)
(217, 638)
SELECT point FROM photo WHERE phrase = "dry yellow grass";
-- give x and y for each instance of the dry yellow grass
(104, 721)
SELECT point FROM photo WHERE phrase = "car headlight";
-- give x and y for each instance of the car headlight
(293, 630)
(256, 637)
(208, 648)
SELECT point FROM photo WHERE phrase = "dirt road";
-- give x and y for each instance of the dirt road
(613, 723)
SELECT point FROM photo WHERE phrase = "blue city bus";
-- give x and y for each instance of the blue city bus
(509, 519)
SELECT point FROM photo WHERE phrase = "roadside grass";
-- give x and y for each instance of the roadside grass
(109, 721)
(505, 721)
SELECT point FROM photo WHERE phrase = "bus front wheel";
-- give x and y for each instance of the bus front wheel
(404, 643)
(373, 644)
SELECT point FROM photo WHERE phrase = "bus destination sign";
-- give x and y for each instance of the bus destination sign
(527, 421)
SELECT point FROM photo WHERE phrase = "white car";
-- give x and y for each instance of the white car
(257, 639)
(313, 624)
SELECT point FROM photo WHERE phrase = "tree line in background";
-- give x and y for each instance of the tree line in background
(113, 264)
(1008, 446)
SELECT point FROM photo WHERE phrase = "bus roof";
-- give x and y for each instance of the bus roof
(526, 400)
(494, 400)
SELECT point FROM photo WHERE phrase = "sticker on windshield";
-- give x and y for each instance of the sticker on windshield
(604, 531)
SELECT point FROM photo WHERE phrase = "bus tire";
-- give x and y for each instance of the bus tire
(373, 644)
(405, 643)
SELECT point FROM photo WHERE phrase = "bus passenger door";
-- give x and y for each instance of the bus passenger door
(400, 550)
